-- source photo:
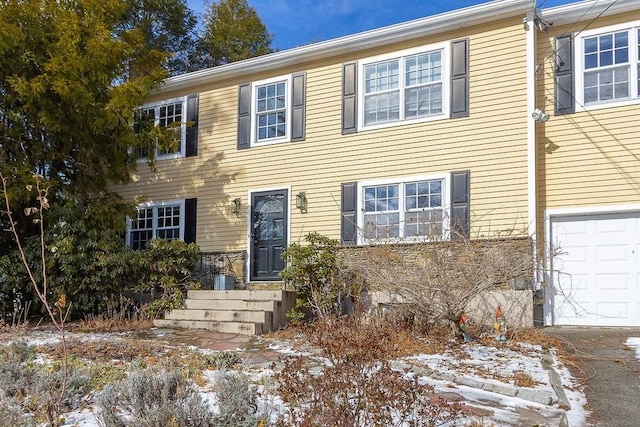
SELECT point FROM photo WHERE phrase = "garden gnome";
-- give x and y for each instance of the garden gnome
(500, 326)
(464, 321)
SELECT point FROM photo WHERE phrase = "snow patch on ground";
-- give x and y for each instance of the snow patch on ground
(634, 343)
(577, 413)
(485, 363)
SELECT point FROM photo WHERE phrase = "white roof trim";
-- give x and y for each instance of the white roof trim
(490, 11)
(588, 9)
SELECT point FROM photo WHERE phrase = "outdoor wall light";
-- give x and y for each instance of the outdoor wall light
(301, 201)
(235, 205)
(540, 116)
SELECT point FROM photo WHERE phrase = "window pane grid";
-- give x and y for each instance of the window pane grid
(408, 210)
(168, 222)
(423, 205)
(388, 97)
(145, 119)
(271, 111)
(168, 115)
(142, 228)
(607, 70)
(155, 222)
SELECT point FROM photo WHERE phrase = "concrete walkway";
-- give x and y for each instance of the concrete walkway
(610, 371)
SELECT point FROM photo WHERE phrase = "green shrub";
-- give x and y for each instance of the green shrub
(36, 388)
(168, 266)
(236, 400)
(314, 272)
(88, 263)
(153, 399)
(13, 414)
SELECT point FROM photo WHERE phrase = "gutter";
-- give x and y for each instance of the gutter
(422, 27)
(586, 10)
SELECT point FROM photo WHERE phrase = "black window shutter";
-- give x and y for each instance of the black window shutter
(460, 78)
(244, 116)
(192, 126)
(564, 82)
(460, 203)
(298, 91)
(190, 215)
(348, 220)
(349, 98)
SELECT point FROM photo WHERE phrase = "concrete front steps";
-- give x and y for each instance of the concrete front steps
(237, 312)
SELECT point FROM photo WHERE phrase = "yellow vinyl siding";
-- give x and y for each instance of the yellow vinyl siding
(491, 143)
(589, 158)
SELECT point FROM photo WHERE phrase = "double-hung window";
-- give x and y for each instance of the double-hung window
(407, 86)
(271, 111)
(170, 114)
(609, 66)
(407, 209)
(161, 220)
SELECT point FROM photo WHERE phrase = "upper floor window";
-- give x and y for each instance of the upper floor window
(271, 110)
(179, 115)
(409, 85)
(161, 220)
(407, 209)
(608, 64)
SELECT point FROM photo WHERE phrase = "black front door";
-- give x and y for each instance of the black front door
(268, 233)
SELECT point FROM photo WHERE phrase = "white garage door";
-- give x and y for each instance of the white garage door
(596, 278)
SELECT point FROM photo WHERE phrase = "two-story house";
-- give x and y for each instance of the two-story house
(417, 129)
(587, 71)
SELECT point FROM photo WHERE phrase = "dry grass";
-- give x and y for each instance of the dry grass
(93, 323)
(522, 379)
(123, 350)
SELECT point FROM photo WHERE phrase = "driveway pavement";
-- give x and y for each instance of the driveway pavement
(610, 371)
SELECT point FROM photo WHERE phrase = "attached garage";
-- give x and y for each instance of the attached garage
(595, 279)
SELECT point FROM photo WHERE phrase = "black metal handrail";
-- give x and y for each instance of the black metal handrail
(219, 262)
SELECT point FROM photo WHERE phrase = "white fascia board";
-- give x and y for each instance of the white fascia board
(461, 18)
(586, 10)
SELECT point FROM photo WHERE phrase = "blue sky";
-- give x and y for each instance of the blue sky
(300, 22)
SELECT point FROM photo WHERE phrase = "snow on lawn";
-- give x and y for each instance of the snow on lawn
(491, 364)
(634, 343)
(500, 364)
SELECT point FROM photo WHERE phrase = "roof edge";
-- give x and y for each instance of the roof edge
(416, 28)
(587, 9)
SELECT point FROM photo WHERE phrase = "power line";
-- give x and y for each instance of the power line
(567, 31)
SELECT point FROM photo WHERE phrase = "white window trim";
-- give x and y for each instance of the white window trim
(287, 102)
(446, 85)
(181, 152)
(155, 205)
(446, 208)
(634, 90)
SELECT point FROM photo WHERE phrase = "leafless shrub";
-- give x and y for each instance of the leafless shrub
(57, 310)
(357, 386)
(437, 280)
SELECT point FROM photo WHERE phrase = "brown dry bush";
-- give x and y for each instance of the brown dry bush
(437, 280)
(357, 386)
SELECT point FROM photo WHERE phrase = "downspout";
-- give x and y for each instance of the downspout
(532, 161)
